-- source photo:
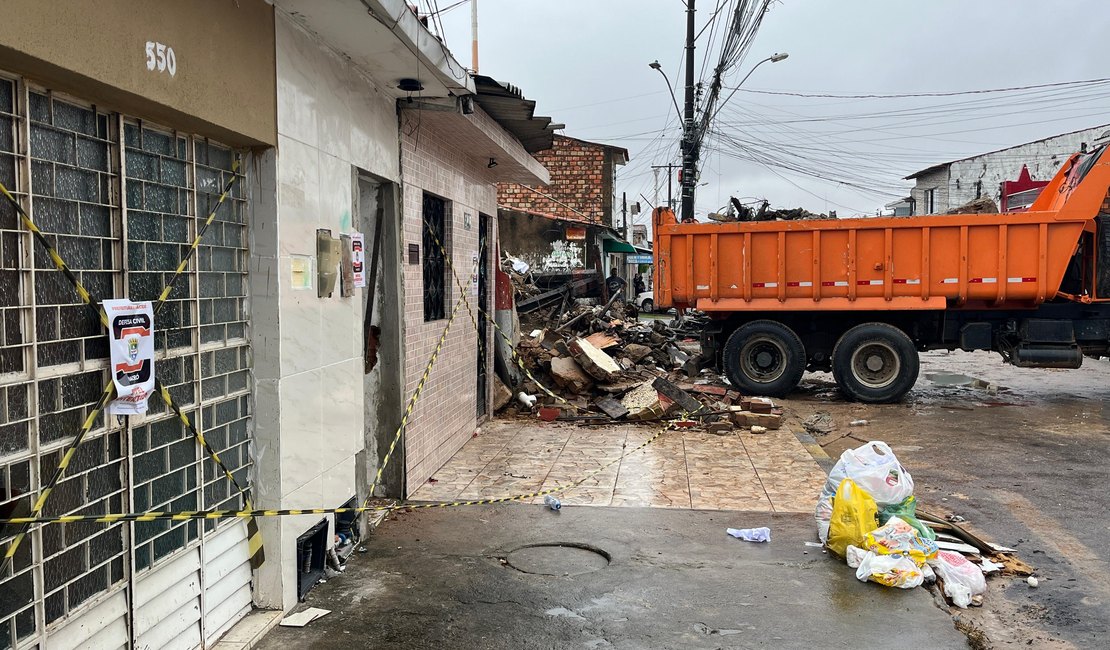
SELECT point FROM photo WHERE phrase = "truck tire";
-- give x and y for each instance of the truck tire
(875, 363)
(764, 358)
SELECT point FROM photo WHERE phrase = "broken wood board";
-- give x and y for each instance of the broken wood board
(601, 340)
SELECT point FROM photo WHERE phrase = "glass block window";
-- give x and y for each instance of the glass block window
(435, 275)
(121, 200)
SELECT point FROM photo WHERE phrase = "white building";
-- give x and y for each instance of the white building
(949, 185)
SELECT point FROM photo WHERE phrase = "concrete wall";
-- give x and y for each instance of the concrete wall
(223, 81)
(310, 404)
(1043, 158)
(965, 180)
(937, 180)
(543, 242)
(436, 160)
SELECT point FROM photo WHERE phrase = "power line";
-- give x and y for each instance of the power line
(923, 94)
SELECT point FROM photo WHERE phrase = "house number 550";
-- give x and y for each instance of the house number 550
(160, 57)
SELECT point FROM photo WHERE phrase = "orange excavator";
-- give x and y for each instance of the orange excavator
(861, 297)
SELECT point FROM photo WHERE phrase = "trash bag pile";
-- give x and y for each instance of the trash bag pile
(867, 514)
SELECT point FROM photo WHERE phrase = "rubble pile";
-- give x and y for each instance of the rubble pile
(609, 366)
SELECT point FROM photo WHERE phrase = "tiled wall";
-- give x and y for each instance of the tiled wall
(308, 350)
(445, 416)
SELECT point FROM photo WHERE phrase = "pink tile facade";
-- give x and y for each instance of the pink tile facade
(437, 159)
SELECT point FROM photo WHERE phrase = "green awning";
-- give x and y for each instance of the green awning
(617, 246)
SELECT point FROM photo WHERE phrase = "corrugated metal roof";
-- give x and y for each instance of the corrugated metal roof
(506, 104)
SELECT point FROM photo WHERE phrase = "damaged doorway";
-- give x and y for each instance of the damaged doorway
(377, 208)
(482, 261)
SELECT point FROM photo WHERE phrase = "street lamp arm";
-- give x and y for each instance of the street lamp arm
(774, 58)
(655, 65)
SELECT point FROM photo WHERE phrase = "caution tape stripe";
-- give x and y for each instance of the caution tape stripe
(293, 512)
(168, 289)
(59, 263)
(497, 328)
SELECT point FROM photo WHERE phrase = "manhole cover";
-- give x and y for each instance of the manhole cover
(558, 559)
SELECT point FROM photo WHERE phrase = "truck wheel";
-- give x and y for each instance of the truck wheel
(764, 357)
(875, 363)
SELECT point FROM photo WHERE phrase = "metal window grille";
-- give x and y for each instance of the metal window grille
(435, 229)
(121, 200)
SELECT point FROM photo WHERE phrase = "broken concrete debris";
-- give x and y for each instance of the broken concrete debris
(594, 360)
(602, 363)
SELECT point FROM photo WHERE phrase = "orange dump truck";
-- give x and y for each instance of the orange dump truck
(861, 297)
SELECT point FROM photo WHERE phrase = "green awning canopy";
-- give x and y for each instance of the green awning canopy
(617, 246)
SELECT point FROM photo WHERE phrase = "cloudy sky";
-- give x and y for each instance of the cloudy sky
(585, 62)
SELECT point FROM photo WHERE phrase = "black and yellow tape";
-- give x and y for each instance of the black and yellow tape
(287, 512)
(200, 233)
(67, 457)
(497, 328)
(254, 535)
(59, 263)
(413, 399)
(257, 554)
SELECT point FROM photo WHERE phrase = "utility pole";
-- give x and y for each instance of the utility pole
(624, 213)
(474, 35)
(689, 145)
(655, 172)
(670, 177)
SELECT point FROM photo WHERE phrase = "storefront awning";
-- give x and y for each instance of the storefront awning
(617, 246)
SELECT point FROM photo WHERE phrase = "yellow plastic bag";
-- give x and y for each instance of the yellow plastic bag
(854, 514)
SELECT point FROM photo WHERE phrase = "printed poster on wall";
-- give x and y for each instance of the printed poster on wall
(131, 342)
(358, 259)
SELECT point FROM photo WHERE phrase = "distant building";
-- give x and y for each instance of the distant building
(583, 176)
(1018, 171)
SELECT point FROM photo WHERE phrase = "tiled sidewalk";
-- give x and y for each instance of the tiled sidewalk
(682, 469)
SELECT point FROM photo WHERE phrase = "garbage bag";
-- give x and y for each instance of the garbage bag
(854, 514)
(962, 579)
(907, 512)
(876, 469)
(890, 570)
(873, 467)
(896, 537)
(823, 515)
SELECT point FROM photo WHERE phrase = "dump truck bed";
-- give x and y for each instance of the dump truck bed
(1008, 260)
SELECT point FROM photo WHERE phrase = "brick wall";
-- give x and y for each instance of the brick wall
(578, 188)
(435, 160)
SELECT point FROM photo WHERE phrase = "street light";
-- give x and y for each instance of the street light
(774, 58)
(655, 65)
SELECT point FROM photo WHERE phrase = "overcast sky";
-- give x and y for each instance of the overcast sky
(585, 62)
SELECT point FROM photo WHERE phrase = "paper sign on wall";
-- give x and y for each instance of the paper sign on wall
(131, 342)
(474, 282)
(358, 258)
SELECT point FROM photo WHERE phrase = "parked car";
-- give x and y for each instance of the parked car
(645, 302)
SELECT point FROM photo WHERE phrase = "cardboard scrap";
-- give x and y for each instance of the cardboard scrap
(304, 617)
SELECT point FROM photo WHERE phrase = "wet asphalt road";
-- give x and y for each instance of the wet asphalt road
(1026, 466)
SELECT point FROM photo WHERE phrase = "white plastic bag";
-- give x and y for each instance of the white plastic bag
(962, 579)
(854, 555)
(875, 469)
(890, 570)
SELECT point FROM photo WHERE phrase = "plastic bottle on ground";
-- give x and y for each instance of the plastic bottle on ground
(551, 502)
